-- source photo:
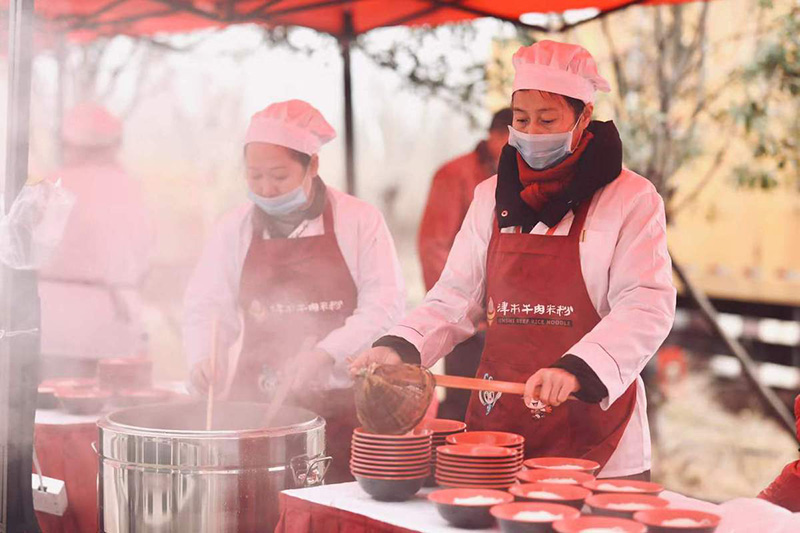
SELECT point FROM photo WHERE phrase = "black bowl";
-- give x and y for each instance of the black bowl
(390, 490)
(467, 516)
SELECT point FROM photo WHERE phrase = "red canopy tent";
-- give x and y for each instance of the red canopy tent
(342, 19)
(88, 19)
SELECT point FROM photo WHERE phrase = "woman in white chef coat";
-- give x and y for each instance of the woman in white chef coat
(301, 262)
(564, 253)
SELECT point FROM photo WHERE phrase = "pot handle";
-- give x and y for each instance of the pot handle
(308, 472)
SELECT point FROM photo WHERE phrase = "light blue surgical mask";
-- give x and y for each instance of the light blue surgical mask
(541, 150)
(283, 204)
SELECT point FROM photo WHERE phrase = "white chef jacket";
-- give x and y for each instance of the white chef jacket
(628, 274)
(368, 250)
(89, 290)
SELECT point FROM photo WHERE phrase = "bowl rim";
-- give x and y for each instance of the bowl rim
(456, 426)
(422, 478)
(472, 450)
(499, 511)
(579, 493)
(438, 496)
(596, 501)
(551, 472)
(513, 439)
(536, 463)
(645, 487)
(601, 521)
(646, 517)
(414, 434)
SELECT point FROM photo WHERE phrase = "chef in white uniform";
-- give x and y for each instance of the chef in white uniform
(90, 289)
(564, 253)
(300, 278)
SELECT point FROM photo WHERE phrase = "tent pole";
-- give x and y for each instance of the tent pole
(19, 301)
(345, 42)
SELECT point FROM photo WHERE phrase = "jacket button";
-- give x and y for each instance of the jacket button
(504, 213)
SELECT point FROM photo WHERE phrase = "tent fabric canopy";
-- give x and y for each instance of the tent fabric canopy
(88, 18)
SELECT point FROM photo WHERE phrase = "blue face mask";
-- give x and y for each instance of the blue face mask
(541, 150)
(280, 205)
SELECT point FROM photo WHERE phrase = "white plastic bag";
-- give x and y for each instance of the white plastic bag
(34, 226)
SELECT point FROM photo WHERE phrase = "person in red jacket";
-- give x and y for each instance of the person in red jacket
(449, 198)
(785, 490)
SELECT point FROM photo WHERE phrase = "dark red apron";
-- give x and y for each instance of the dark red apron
(293, 289)
(537, 309)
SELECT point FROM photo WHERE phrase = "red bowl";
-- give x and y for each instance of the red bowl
(665, 521)
(508, 514)
(442, 426)
(386, 489)
(563, 464)
(418, 471)
(490, 438)
(477, 452)
(454, 506)
(396, 464)
(511, 471)
(472, 477)
(546, 493)
(622, 486)
(387, 457)
(587, 523)
(460, 485)
(51, 385)
(413, 448)
(614, 504)
(413, 435)
(388, 475)
(554, 477)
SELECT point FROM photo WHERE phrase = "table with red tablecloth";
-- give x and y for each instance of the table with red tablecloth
(345, 508)
(63, 445)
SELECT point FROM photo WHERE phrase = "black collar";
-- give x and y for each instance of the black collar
(599, 165)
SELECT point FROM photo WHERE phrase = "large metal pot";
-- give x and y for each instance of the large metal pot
(160, 471)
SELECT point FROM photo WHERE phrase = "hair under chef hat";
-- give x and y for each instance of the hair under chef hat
(90, 125)
(294, 124)
(560, 68)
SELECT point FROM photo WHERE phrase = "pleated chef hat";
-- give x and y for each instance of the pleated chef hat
(90, 125)
(294, 124)
(560, 68)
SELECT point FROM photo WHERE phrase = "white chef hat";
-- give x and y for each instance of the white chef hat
(90, 125)
(294, 124)
(559, 68)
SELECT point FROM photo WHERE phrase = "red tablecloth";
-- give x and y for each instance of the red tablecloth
(65, 453)
(301, 516)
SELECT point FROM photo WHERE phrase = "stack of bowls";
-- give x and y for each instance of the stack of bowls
(476, 466)
(442, 428)
(391, 467)
(491, 438)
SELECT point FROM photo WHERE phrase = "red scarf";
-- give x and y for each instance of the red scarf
(540, 186)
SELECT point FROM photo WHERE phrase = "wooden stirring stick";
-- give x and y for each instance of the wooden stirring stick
(283, 388)
(491, 385)
(210, 399)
